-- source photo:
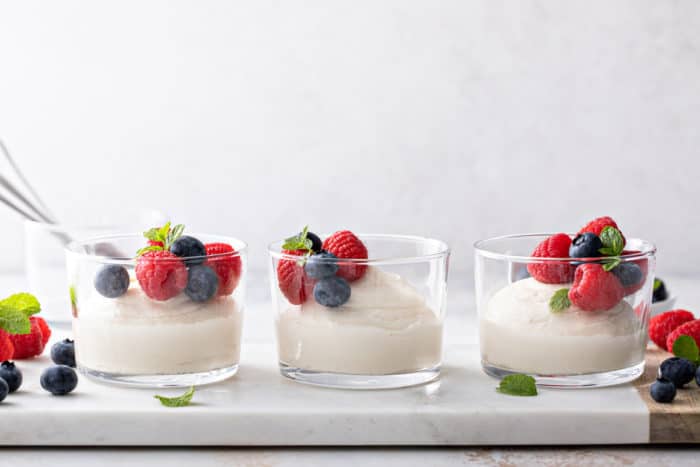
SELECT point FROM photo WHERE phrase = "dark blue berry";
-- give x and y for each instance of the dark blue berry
(4, 389)
(63, 353)
(191, 248)
(677, 370)
(585, 245)
(663, 391)
(332, 291)
(697, 376)
(316, 243)
(11, 374)
(112, 281)
(321, 265)
(628, 273)
(202, 283)
(59, 380)
(660, 293)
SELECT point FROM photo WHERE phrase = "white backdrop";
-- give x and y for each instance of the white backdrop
(457, 120)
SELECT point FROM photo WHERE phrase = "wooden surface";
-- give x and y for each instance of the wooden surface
(677, 422)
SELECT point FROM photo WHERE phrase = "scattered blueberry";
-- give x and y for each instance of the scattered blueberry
(332, 291)
(63, 353)
(628, 273)
(677, 370)
(189, 247)
(112, 281)
(660, 293)
(585, 245)
(663, 391)
(11, 374)
(4, 389)
(202, 283)
(697, 376)
(321, 265)
(316, 243)
(59, 380)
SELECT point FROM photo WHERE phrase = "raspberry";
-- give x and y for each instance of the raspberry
(161, 274)
(556, 246)
(660, 326)
(597, 225)
(227, 267)
(344, 244)
(155, 243)
(689, 328)
(292, 280)
(595, 289)
(45, 329)
(7, 349)
(28, 345)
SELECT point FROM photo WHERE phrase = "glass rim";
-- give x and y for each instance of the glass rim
(443, 250)
(648, 251)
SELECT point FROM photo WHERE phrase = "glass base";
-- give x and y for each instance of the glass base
(161, 381)
(350, 381)
(587, 380)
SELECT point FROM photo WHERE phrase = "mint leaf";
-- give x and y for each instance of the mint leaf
(179, 401)
(686, 347)
(148, 248)
(73, 296)
(23, 302)
(612, 264)
(173, 235)
(298, 242)
(612, 241)
(14, 321)
(559, 301)
(657, 283)
(518, 385)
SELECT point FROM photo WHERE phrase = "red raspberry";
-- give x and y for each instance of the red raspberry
(660, 326)
(689, 328)
(227, 267)
(161, 274)
(344, 244)
(7, 349)
(597, 225)
(556, 246)
(45, 329)
(155, 243)
(292, 279)
(595, 289)
(28, 345)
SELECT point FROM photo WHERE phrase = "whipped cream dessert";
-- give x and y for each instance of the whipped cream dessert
(519, 332)
(385, 327)
(133, 334)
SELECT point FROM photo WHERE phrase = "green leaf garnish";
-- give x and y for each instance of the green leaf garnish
(73, 296)
(15, 311)
(611, 264)
(14, 322)
(24, 302)
(518, 385)
(613, 244)
(657, 283)
(164, 235)
(559, 301)
(298, 242)
(179, 401)
(686, 347)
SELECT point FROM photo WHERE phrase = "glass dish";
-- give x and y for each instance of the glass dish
(389, 332)
(570, 347)
(136, 340)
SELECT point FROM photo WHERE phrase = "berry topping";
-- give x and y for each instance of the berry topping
(112, 281)
(556, 246)
(689, 328)
(332, 291)
(345, 245)
(4, 389)
(59, 380)
(585, 245)
(660, 326)
(202, 283)
(291, 278)
(161, 274)
(225, 264)
(663, 391)
(28, 345)
(660, 293)
(316, 242)
(45, 329)
(321, 265)
(595, 289)
(190, 248)
(7, 349)
(677, 370)
(11, 374)
(597, 225)
(629, 274)
(63, 353)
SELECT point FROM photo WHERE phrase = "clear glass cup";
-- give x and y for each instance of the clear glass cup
(389, 332)
(519, 332)
(135, 340)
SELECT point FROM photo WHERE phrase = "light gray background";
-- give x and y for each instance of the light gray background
(451, 119)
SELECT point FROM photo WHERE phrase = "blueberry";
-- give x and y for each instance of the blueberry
(663, 391)
(11, 374)
(4, 389)
(660, 293)
(321, 265)
(112, 281)
(628, 273)
(202, 283)
(332, 291)
(697, 376)
(189, 247)
(59, 380)
(316, 243)
(677, 370)
(585, 245)
(63, 353)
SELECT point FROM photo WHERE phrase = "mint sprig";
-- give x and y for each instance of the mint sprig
(613, 244)
(165, 235)
(179, 401)
(559, 301)
(518, 385)
(686, 347)
(299, 242)
(15, 311)
(657, 284)
(611, 264)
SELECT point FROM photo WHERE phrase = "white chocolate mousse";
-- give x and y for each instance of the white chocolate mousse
(385, 327)
(134, 335)
(519, 332)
